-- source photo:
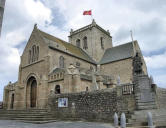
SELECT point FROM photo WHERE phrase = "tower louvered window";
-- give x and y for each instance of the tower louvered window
(85, 43)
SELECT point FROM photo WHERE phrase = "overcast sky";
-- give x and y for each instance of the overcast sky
(146, 18)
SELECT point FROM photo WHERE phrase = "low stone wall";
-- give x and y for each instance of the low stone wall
(125, 102)
(97, 105)
(92, 106)
(161, 97)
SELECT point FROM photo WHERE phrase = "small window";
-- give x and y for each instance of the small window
(57, 89)
(29, 59)
(61, 62)
(33, 53)
(37, 53)
(86, 88)
(85, 43)
(58, 76)
(102, 43)
(78, 43)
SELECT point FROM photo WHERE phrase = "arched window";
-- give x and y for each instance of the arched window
(37, 53)
(102, 43)
(78, 43)
(33, 53)
(57, 89)
(85, 44)
(29, 57)
(61, 62)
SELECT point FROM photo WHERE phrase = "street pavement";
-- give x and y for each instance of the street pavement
(59, 124)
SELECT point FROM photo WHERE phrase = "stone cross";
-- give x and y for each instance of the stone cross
(123, 121)
(116, 122)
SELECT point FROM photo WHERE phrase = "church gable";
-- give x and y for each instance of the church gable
(35, 49)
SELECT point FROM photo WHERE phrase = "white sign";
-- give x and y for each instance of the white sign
(62, 102)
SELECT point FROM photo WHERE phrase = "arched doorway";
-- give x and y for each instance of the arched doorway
(31, 93)
(57, 89)
(12, 101)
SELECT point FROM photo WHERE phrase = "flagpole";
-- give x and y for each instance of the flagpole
(132, 41)
(91, 15)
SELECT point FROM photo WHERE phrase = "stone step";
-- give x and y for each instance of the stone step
(29, 119)
(34, 115)
(26, 110)
(39, 122)
(16, 111)
(146, 107)
(44, 116)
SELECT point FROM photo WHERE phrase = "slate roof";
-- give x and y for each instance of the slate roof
(75, 51)
(116, 53)
(58, 70)
(86, 77)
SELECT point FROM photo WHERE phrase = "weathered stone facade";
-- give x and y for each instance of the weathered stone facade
(51, 64)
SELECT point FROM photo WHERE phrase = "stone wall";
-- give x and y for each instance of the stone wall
(161, 97)
(125, 102)
(92, 106)
(122, 68)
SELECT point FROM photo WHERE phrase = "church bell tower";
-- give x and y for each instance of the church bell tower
(93, 39)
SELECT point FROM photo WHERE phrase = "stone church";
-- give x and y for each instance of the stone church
(88, 62)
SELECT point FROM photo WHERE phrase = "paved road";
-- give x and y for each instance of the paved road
(59, 124)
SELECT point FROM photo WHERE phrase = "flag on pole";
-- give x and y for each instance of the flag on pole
(87, 12)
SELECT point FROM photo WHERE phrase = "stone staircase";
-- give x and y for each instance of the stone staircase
(31, 115)
(139, 118)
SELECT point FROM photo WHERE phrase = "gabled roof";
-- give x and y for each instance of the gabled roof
(73, 50)
(116, 53)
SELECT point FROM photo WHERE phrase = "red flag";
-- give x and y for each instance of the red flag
(87, 12)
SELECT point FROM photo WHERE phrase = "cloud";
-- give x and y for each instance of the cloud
(18, 25)
(38, 12)
(156, 61)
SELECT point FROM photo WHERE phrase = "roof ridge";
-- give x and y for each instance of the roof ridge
(52, 36)
(122, 44)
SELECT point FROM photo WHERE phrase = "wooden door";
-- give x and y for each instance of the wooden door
(12, 102)
(33, 93)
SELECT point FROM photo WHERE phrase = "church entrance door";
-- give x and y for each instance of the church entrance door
(33, 93)
(12, 102)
